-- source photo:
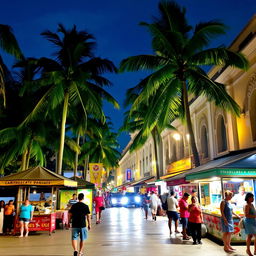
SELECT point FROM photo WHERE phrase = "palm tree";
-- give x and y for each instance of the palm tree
(73, 78)
(145, 124)
(101, 146)
(177, 65)
(9, 44)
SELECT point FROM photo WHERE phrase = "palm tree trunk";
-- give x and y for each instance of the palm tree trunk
(76, 158)
(86, 161)
(189, 124)
(62, 132)
(23, 161)
(154, 135)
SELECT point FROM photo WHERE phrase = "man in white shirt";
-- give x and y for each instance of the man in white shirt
(154, 201)
(172, 212)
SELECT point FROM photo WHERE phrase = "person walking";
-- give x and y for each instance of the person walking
(184, 214)
(145, 204)
(2, 205)
(154, 202)
(227, 223)
(99, 206)
(9, 210)
(172, 212)
(26, 215)
(79, 213)
(195, 220)
(250, 222)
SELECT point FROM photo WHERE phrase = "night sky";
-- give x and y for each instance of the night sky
(114, 23)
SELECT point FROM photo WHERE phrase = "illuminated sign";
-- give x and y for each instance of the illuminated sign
(128, 174)
(37, 183)
(181, 165)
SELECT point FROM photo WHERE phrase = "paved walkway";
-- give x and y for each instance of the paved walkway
(123, 232)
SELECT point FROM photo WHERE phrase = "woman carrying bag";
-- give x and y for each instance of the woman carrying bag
(99, 206)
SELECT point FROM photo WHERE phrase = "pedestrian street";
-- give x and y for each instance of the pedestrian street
(123, 232)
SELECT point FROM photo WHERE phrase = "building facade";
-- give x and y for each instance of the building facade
(217, 132)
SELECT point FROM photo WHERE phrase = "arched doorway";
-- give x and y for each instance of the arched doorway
(204, 142)
(221, 134)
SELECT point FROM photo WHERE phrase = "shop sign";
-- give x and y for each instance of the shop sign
(95, 172)
(128, 174)
(222, 172)
(30, 182)
(181, 165)
(41, 223)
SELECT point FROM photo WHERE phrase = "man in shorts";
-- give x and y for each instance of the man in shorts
(78, 213)
(172, 212)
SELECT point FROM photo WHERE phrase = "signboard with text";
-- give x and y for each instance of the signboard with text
(128, 174)
(181, 165)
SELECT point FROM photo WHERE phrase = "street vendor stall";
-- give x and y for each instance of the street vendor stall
(83, 186)
(237, 177)
(40, 186)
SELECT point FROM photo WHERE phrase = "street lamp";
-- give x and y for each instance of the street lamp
(176, 136)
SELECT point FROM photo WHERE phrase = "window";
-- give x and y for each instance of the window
(253, 114)
(221, 134)
(204, 142)
(150, 157)
(181, 142)
(174, 153)
(166, 154)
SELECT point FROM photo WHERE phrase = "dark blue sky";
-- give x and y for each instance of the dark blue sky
(114, 23)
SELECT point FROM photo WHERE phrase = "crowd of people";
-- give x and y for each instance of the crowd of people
(188, 212)
(185, 210)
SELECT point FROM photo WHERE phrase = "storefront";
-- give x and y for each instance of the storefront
(83, 186)
(144, 185)
(40, 186)
(175, 179)
(212, 186)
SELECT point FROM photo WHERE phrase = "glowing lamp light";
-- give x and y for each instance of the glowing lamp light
(176, 136)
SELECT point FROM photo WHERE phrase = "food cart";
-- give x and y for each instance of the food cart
(32, 182)
(238, 177)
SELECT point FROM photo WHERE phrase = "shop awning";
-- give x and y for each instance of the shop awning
(172, 175)
(142, 181)
(124, 185)
(242, 167)
(81, 183)
(36, 176)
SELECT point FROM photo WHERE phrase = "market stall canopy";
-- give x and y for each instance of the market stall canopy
(242, 167)
(81, 183)
(142, 181)
(36, 176)
(237, 158)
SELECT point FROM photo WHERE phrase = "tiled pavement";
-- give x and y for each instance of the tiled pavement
(123, 232)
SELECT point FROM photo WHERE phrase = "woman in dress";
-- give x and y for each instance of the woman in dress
(2, 205)
(26, 215)
(99, 205)
(250, 222)
(195, 220)
(227, 222)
